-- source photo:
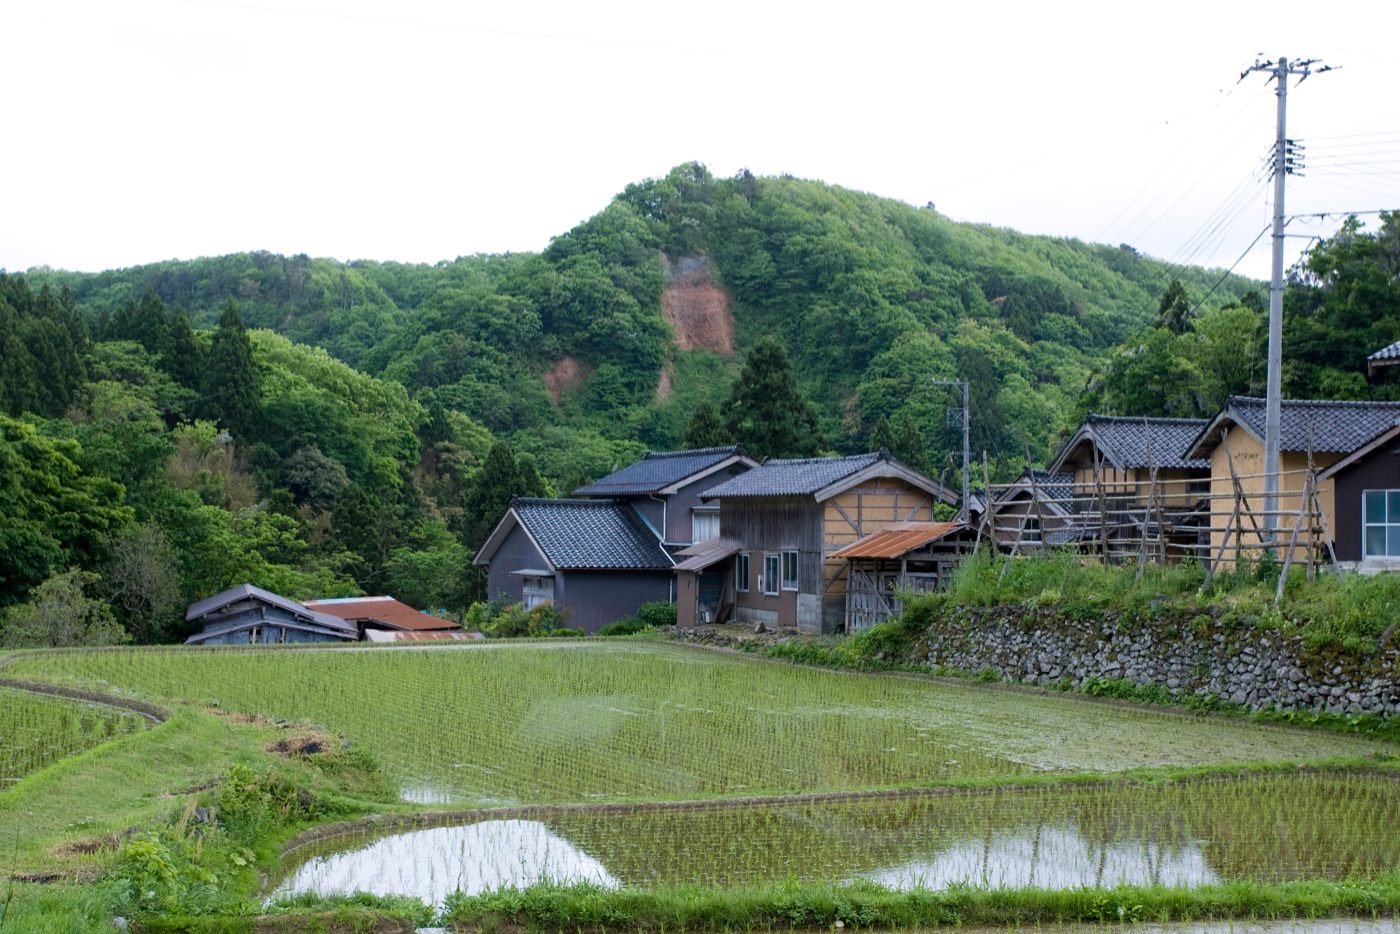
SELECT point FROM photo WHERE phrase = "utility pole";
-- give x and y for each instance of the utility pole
(964, 508)
(1284, 164)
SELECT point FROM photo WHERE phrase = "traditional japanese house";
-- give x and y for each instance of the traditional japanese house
(1032, 511)
(597, 560)
(666, 490)
(780, 525)
(1347, 444)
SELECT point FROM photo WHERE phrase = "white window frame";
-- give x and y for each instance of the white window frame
(772, 573)
(708, 514)
(1386, 522)
(532, 592)
(792, 582)
(742, 569)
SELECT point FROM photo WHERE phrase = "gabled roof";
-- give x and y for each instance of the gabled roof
(385, 611)
(248, 591)
(1321, 425)
(899, 540)
(1361, 453)
(1136, 442)
(581, 534)
(1388, 355)
(822, 477)
(1056, 490)
(658, 471)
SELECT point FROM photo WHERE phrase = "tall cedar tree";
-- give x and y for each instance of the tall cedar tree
(1174, 311)
(231, 392)
(767, 412)
(185, 361)
(502, 476)
(706, 428)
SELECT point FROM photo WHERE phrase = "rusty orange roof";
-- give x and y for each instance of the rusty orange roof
(900, 540)
(386, 611)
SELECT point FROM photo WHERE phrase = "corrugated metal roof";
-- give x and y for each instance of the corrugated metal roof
(591, 534)
(384, 610)
(658, 470)
(706, 553)
(1322, 425)
(452, 635)
(897, 541)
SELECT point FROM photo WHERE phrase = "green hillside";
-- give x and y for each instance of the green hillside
(607, 340)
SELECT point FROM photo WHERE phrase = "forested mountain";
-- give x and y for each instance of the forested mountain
(607, 340)
(325, 428)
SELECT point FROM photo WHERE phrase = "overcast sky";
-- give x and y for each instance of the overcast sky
(422, 130)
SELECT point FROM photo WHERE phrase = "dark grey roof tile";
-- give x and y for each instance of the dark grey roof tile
(658, 470)
(597, 534)
(800, 477)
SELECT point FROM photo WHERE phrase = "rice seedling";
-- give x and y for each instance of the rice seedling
(1271, 827)
(36, 730)
(524, 723)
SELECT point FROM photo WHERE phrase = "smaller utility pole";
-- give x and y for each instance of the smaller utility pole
(964, 510)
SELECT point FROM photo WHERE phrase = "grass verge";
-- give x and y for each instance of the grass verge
(816, 906)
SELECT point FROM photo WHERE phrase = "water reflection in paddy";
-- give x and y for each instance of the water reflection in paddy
(1266, 827)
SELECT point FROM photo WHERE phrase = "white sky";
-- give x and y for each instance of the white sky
(421, 130)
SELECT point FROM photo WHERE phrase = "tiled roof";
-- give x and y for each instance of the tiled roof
(1386, 354)
(658, 470)
(892, 543)
(1134, 442)
(1322, 425)
(794, 477)
(384, 610)
(582, 534)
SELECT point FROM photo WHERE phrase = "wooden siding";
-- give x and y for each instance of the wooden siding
(1379, 470)
(1248, 456)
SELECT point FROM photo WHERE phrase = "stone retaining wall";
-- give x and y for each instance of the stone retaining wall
(1255, 668)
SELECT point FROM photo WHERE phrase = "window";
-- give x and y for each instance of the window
(769, 580)
(741, 572)
(704, 525)
(537, 591)
(789, 570)
(1381, 523)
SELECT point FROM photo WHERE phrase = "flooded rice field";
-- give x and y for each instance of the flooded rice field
(1266, 827)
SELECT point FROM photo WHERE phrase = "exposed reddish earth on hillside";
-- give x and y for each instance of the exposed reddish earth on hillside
(565, 374)
(697, 308)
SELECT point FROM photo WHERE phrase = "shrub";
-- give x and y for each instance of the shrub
(652, 615)
(502, 620)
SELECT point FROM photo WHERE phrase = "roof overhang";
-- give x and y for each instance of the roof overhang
(1209, 436)
(707, 553)
(887, 467)
(1085, 435)
(498, 535)
(1008, 496)
(1379, 441)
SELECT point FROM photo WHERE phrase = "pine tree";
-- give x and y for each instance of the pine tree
(231, 393)
(767, 412)
(501, 477)
(706, 428)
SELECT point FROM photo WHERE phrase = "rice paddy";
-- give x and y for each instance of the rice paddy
(520, 724)
(37, 730)
(1268, 827)
(635, 767)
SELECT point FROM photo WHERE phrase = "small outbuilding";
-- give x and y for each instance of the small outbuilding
(246, 614)
(911, 557)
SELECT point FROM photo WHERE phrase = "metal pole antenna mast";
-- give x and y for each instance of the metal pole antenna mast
(964, 507)
(1284, 164)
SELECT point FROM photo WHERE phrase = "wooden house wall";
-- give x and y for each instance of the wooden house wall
(1134, 483)
(592, 599)
(679, 505)
(878, 503)
(1248, 456)
(247, 615)
(771, 525)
